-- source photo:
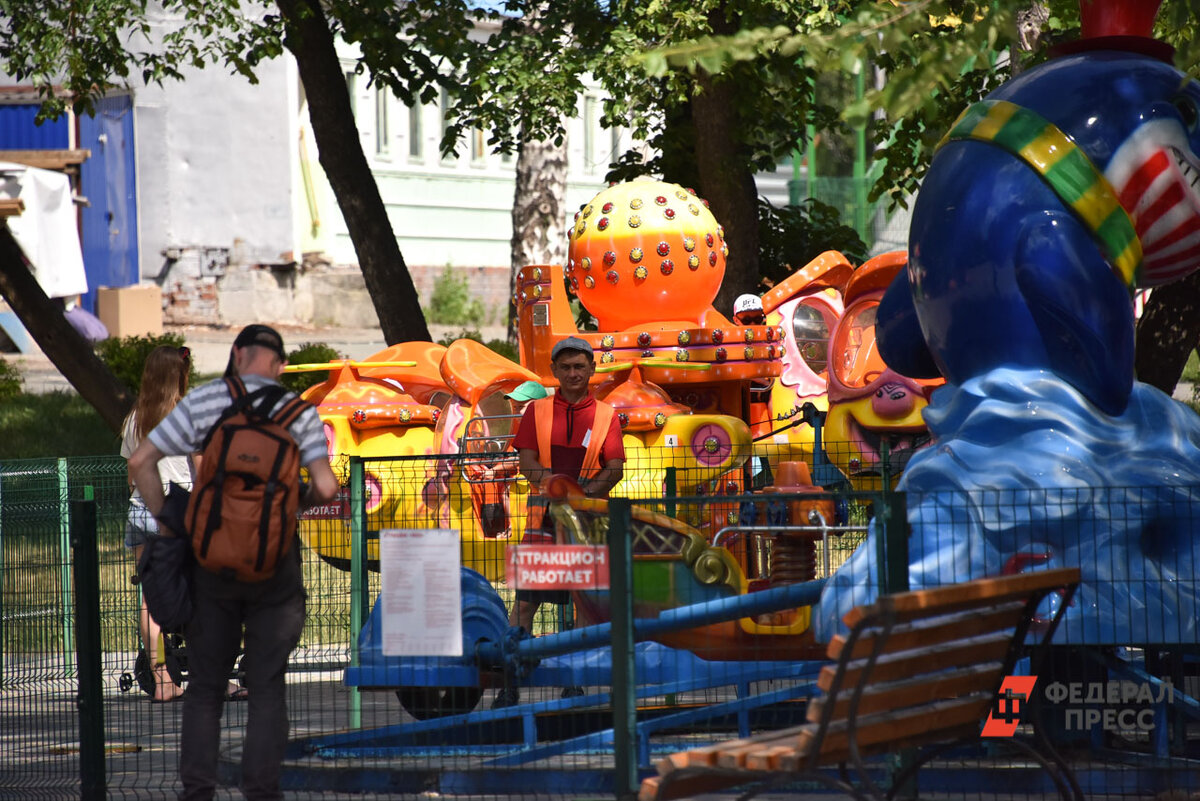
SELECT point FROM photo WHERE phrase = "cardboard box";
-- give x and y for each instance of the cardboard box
(130, 310)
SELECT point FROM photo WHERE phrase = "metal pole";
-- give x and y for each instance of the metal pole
(90, 700)
(2, 572)
(860, 164)
(358, 578)
(644, 628)
(64, 537)
(811, 150)
(794, 184)
(892, 536)
(671, 491)
(897, 542)
(624, 683)
(893, 539)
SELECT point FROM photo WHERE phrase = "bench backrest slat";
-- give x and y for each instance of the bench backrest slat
(927, 722)
(925, 688)
(969, 595)
(927, 633)
(889, 667)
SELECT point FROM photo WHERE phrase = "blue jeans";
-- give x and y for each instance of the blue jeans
(272, 615)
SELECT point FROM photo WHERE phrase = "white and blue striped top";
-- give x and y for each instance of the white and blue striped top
(183, 430)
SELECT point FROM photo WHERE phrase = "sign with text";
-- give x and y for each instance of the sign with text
(421, 597)
(337, 509)
(557, 567)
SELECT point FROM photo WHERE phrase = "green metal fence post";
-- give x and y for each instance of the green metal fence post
(891, 543)
(624, 686)
(896, 512)
(90, 700)
(860, 162)
(891, 531)
(64, 536)
(358, 577)
(3, 639)
(810, 133)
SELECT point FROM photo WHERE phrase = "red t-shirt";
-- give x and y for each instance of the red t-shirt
(572, 422)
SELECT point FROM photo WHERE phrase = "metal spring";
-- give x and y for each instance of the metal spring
(793, 560)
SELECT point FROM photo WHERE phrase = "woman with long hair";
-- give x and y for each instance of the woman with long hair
(164, 382)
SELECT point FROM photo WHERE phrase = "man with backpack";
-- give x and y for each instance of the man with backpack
(253, 437)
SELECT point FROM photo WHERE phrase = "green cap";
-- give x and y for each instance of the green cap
(530, 390)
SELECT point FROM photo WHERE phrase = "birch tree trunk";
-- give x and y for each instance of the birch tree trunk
(539, 214)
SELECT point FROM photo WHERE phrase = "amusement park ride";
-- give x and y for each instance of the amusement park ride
(1045, 205)
(704, 404)
(697, 396)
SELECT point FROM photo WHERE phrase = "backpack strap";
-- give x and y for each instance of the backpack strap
(236, 387)
(290, 411)
(265, 398)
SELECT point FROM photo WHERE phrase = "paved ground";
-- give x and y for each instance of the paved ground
(41, 758)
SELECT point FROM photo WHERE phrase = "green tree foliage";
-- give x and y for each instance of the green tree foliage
(10, 381)
(309, 353)
(792, 236)
(125, 357)
(451, 302)
(706, 130)
(934, 58)
(75, 52)
(500, 346)
(710, 128)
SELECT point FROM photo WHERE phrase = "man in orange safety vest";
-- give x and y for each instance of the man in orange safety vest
(569, 433)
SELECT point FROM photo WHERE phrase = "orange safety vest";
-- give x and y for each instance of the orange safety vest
(543, 411)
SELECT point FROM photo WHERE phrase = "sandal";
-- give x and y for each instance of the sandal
(237, 693)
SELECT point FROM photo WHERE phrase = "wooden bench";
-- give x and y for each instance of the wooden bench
(918, 668)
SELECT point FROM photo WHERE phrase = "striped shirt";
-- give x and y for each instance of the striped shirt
(184, 429)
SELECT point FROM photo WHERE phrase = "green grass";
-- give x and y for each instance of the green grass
(53, 424)
(1191, 370)
(1191, 375)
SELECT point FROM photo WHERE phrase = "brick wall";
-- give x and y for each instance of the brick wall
(488, 284)
(192, 282)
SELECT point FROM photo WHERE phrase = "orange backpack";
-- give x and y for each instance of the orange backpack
(242, 512)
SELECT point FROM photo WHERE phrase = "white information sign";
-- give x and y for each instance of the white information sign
(422, 596)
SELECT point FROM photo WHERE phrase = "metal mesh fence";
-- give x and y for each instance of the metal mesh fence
(722, 645)
(1115, 689)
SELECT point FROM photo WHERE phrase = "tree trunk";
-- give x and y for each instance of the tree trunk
(727, 183)
(69, 351)
(539, 216)
(309, 39)
(1167, 332)
(1032, 24)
